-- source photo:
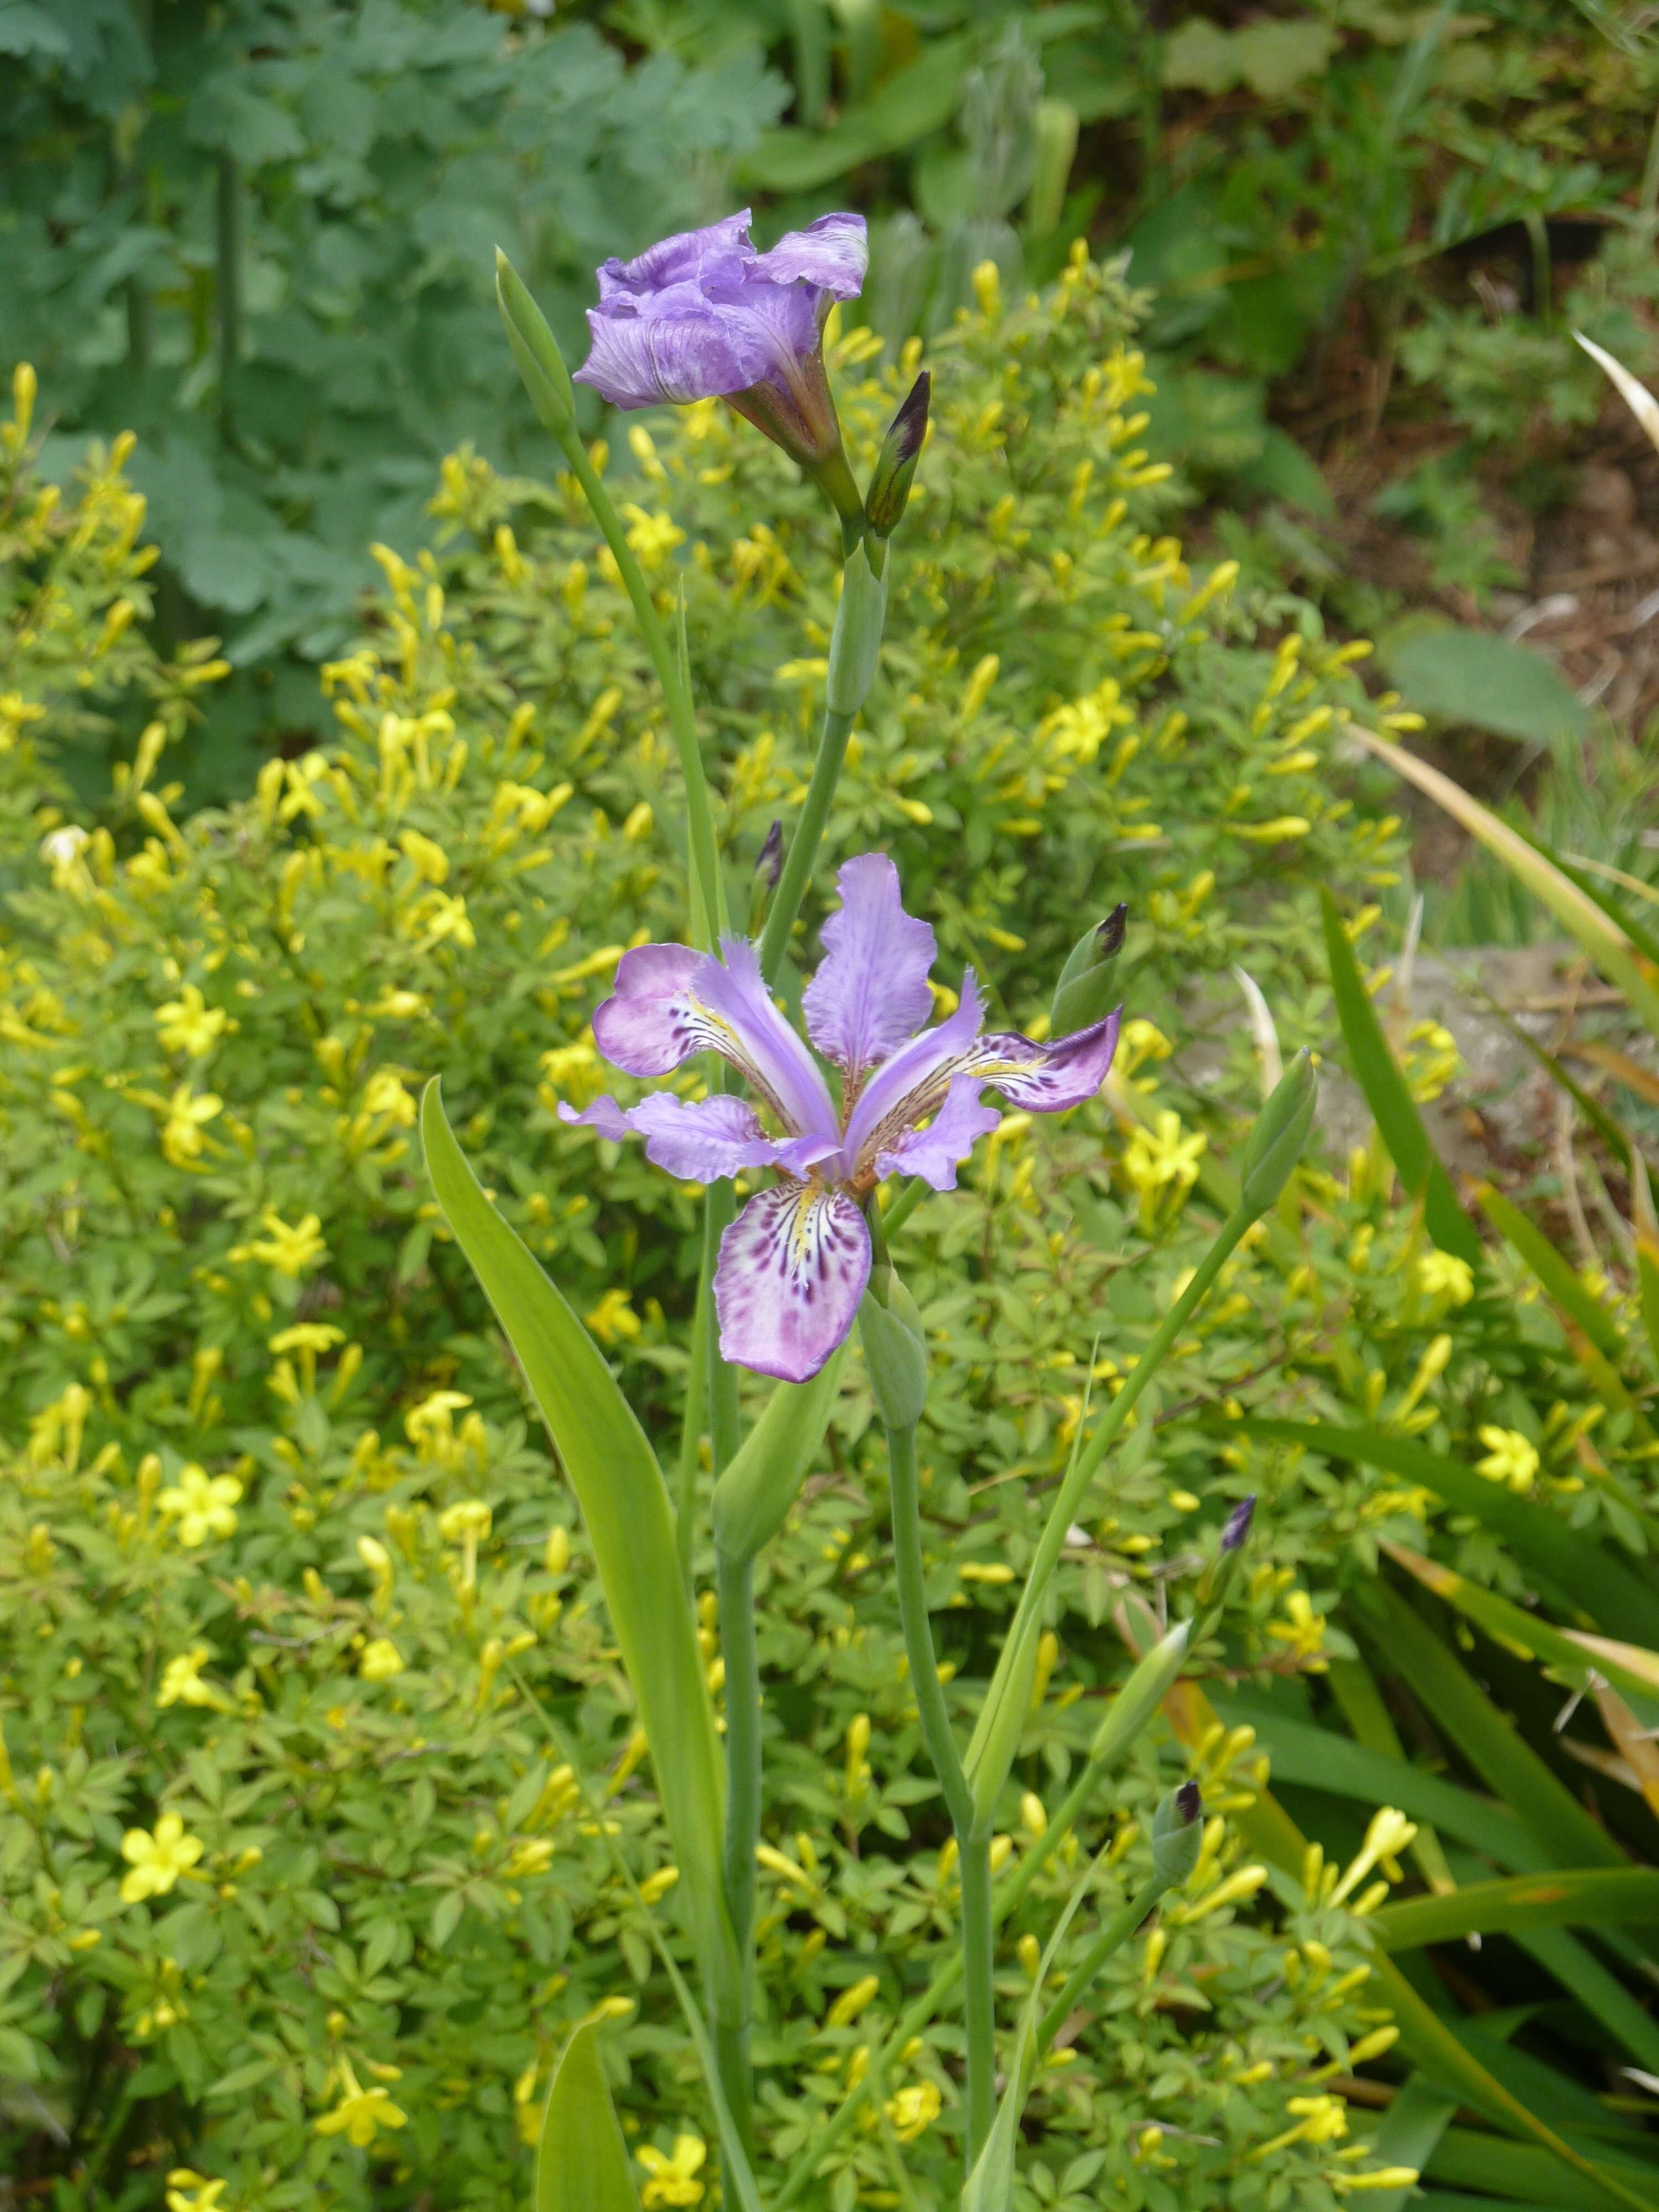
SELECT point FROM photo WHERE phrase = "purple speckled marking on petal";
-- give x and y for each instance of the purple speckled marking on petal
(832, 254)
(637, 1027)
(1047, 1078)
(792, 1268)
(695, 1142)
(870, 994)
(935, 1153)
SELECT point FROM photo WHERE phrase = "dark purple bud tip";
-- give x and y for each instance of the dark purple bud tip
(1189, 1802)
(909, 426)
(1109, 936)
(770, 863)
(1238, 1525)
(895, 464)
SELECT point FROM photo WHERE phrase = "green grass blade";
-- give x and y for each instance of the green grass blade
(1524, 2175)
(630, 1523)
(1611, 1596)
(1558, 1277)
(1604, 939)
(581, 2161)
(1411, 2129)
(1575, 1896)
(1525, 1632)
(1368, 1717)
(1491, 1743)
(1390, 1101)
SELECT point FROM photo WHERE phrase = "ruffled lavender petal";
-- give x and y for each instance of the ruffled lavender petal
(1047, 1078)
(913, 1084)
(832, 252)
(870, 994)
(673, 353)
(775, 326)
(720, 252)
(695, 1142)
(792, 1268)
(671, 1003)
(935, 1153)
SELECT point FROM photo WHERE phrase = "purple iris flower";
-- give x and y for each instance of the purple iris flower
(795, 1263)
(704, 316)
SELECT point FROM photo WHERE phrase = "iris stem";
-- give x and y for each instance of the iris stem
(903, 1207)
(696, 1413)
(1112, 1937)
(734, 1583)
(709, 915)
(804, 845)
(1007, 1898)
(1075, 1488)
(973, 1848)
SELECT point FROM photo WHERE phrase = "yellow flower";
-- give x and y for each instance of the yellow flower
(202, 1503)
(613, 1318)
(1162, 1164)
(311, 1336)
(182, 1140)
(1510, 1458)
(290, 1251)
(1444, 1275)
(914, 2110)
(182, 1683)
(651, 539)
(188, 1024)
(381, 1660)
(360, 2112)
(673, 2180)
(1303, 1632)
(384, 1094)
(193, 2192)
(158, 1860)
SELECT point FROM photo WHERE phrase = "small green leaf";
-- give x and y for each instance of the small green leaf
(756, 1491)
(1411, 2129)
(1470, 676)
(1577, 1897)
(581, 2161)
(1390, 1102)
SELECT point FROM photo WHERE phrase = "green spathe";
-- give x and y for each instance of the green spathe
(755, 1492)
(536, 350)
(1087, 990)
(894, 1353)
(855, 644)
(1280, 1131)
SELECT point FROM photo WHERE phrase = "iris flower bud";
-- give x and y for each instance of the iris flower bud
(895, 465)
(894, 1354)
(535, 349)
(1084, 992)
(1280, 1131)
(1178, 1832)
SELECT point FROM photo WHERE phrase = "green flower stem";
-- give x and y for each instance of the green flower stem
(709, 915)
(1075, 1488)
(804, 845)
(973, 1846)
(903, 1207)
(734, 1581)
(1116, 1932)
(1007, 1898)
(696, 1413)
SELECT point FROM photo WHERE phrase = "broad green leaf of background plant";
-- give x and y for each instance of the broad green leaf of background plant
(1470, 676)
(625, 1506)
(581, 2160)
(1578, 1897)
(1388, 1098)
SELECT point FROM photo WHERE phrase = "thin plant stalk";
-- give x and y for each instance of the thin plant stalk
(804, 845)
(734, 1580)
(973, 1848)
(1116, 1932)
(1075, 1488)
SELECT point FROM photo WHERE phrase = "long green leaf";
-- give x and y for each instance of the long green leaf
(1577, 1897)
(1521, 2174)
(1611, 1597)
(1491, 1744)
(1558, 1277)
(581, 2161)
(1388, 1098)
(1604, 939)
(754, 1494)
(630, 1524)
(1513, 1625)
(1411, 2129)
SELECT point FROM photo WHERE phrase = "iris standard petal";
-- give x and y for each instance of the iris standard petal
(870, 994)
(832, 253)
(912, 1085)
(935, 1153)
(792, 1268)
(719, 252)
(695, 1142)
(671, 1002)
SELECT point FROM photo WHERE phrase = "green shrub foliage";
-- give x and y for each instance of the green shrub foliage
(317, 1751)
